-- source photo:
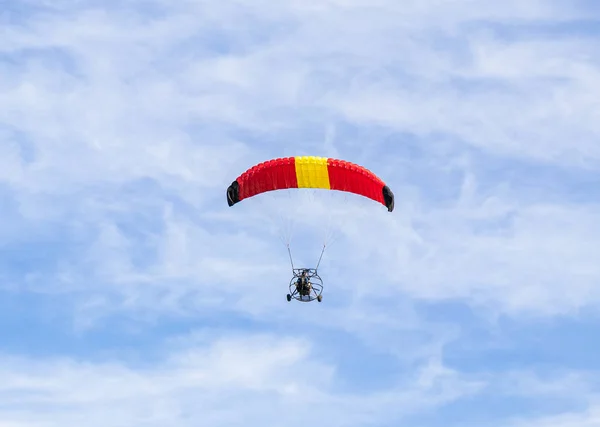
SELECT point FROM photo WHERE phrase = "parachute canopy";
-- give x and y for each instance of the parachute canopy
(310, 172)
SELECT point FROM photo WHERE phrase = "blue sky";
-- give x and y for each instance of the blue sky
(132, 295)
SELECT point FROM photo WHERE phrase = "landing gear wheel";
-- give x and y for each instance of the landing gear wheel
(289, 297)
(320, 298)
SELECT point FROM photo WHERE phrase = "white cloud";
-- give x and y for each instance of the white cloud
(121, 128)
(590, 418)
(123, 120)
(237, 380)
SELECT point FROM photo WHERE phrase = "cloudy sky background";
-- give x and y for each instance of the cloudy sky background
(132, 295)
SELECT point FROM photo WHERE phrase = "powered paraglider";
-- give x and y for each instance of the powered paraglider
(309, 172)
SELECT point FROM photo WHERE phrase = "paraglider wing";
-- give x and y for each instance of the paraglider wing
(310, 172)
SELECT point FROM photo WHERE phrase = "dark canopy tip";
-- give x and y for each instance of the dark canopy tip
(388, 198)
(233, 193)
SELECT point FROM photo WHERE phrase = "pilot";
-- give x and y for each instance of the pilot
(303, 285)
